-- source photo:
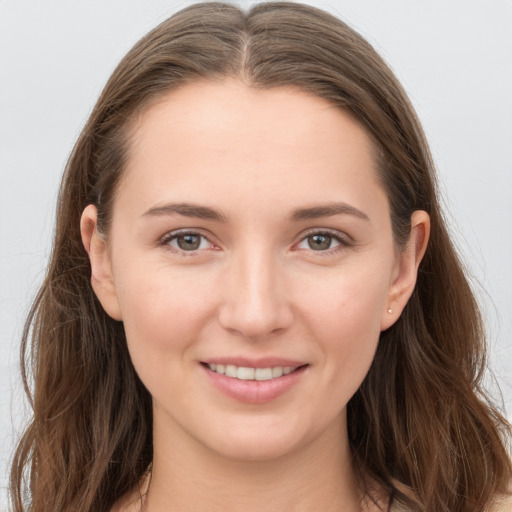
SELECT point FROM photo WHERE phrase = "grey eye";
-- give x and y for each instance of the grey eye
(319, 241)
(188, 242)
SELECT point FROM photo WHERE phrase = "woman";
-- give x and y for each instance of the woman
(252, 300)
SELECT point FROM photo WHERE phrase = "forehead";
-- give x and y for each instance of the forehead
(227, 140)
(216, 109)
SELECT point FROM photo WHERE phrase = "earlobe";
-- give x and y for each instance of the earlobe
(410, 258)
(102, 279)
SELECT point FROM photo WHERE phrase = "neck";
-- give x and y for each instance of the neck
(187, 476)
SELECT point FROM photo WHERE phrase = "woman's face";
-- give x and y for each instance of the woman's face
(251, 260)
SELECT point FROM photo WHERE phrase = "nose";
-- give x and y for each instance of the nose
(256, 302)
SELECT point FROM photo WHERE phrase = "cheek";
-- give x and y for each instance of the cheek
(345, 319)
(351, 300)
(163, 313)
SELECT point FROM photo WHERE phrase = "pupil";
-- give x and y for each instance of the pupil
(319, 242)
(189, 242)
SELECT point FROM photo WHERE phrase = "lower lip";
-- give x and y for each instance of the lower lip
(254, 391)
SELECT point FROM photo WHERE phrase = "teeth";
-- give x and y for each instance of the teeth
(243, 373)
(277, 371)
(246, 373)
(263, 373)
(230, 370)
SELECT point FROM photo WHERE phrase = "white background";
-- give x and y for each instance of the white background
(454, 58)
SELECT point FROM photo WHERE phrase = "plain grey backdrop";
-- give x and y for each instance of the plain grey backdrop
(453, 57)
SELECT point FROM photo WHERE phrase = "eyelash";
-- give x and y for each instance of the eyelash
(166, 240)
(342, 239)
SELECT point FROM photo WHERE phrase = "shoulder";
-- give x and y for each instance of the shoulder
(128, 503)
(133, 500)
(500, 504)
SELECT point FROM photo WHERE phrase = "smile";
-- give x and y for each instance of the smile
(254, 382)
(247, 373)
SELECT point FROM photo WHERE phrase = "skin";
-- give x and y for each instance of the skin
(254, 288)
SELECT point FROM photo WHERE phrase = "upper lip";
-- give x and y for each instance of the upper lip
(262, 362)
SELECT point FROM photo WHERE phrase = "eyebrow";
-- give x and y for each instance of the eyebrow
(205, 212)
(187, 210)
(327, 210)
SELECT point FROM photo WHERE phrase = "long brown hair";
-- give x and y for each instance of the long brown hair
(420, 425)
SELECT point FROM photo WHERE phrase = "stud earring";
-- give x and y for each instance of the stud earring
(390, 311)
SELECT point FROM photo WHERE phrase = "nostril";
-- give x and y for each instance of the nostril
(255, 319)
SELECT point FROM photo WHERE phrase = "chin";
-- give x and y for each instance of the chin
(256, 449)
(260, 442)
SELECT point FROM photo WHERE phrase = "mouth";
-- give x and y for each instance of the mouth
(261, 383)
(249, 373)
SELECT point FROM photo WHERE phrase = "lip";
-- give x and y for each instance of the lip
(253, 391)
(262, 362)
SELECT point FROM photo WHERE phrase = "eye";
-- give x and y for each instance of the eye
(186, 241)
(322, 241)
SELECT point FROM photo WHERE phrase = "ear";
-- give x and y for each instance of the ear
(102, 279)
(406, 271)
